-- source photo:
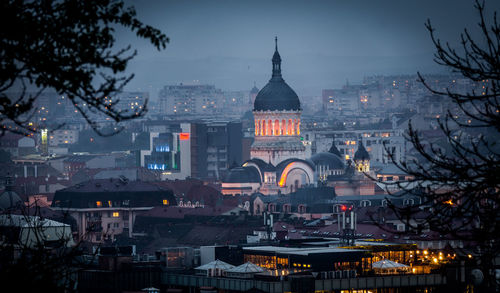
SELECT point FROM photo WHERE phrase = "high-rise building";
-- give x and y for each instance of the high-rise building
(169, 152)
(185, 99)
(215, 146)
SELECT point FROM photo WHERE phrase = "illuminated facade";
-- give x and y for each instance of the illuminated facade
(362, 159)
(278, 163)
(277, 120)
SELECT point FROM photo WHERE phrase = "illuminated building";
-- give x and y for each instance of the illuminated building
(44, 147)
(104, 208)
(190, 99)
(362, 159)
(277, 114)
(169, 152)
(278, 155)
(61, 137)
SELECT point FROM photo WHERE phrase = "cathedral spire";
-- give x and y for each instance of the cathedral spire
(276, 60)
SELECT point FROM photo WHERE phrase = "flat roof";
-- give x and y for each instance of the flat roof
(301, 251)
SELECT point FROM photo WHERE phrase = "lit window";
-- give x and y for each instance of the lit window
(110, 203)
(116, 214)
(165, 202)
(98, 203)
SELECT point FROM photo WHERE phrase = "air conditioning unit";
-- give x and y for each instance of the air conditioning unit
(338, 274)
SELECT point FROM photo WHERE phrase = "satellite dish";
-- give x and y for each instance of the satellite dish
(477, 277)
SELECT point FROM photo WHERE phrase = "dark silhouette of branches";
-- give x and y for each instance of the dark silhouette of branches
(66, 46)
(38, 254)
(459, 183)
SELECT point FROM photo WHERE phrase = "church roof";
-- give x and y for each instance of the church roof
(282, 165)
(276, 95)
(328, 159)
(254, 90)
(247, 174)
(334, 150)
(361, 153)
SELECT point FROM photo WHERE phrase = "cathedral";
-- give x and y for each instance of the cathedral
(278, 163)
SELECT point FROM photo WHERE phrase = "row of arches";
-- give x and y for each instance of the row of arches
(277, 127)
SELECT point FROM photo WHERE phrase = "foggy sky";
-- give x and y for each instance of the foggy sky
(322, 43)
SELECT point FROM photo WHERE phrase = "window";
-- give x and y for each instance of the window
(110, 203)
(98, 203)
(116, 225)
(409, 202)
(116, 214)
(165, 202)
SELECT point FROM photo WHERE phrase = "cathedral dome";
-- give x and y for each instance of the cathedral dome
(276, 95)
(242, 175)
(328, 159)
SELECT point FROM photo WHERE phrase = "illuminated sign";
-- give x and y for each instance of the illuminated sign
(184, 136)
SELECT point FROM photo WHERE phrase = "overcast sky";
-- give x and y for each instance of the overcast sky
(322, 43)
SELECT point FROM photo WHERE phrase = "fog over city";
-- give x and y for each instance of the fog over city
(228, 43)
(216, 146)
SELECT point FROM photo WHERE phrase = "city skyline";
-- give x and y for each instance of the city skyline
(324, 44)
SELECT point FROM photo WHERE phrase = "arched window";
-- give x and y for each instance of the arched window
(263, 130)
(269, 127)
(366, 203)
(283, 127)
(409, 202)
(276, 127)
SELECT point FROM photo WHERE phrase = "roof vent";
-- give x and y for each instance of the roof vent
(123, 179)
